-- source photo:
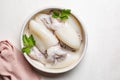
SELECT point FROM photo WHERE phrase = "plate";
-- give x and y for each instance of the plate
(80, 55)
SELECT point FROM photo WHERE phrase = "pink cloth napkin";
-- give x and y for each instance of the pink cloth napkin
(13, 65)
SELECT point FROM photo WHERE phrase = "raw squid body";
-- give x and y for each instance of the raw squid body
(44, 38)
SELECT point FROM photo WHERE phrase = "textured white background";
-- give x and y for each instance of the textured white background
(102, 19)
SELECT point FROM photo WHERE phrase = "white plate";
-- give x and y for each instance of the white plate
(38, 65)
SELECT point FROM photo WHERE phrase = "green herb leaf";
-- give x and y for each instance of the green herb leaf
(28, 43)
(31, 41)
(25, 40)
(63, 14)
(66, 11)
(26, 50)
(64, 17)
(55, 14)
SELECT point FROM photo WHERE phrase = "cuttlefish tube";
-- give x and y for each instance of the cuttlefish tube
(68, 35)
(43, 37)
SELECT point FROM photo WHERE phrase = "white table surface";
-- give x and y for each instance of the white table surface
(102, 19)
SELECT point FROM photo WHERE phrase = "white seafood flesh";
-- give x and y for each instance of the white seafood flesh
(56, 54)
(68, 36)
(37, 55)
(70, 59)
(63, 31)
(45, 18)
(43, 37)
(45, 41)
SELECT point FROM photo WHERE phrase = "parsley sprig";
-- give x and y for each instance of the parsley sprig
(28, 43)
(62, 14)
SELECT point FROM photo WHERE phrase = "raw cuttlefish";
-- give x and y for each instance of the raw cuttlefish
(46, 42)
(48, 32)
(44, 38)
(63, 30)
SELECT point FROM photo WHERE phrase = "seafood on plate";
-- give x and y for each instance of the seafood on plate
(57, 42)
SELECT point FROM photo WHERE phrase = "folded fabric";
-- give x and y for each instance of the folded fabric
(13, 64)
